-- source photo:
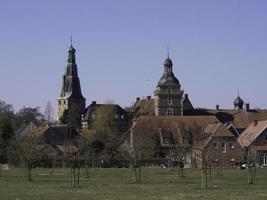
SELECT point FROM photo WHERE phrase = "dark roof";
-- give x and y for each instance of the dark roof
(168, 80)
(21, 128)
(187, 105)
(70, 82)
(168, 62)
(62, 134)
(238, 102)
(94, 106)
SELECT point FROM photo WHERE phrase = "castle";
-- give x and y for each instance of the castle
(170, 116)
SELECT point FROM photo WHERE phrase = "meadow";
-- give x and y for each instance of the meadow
(157, 183)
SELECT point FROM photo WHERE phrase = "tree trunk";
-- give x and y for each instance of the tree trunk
(71, 176)
(78, 177)
(86, 169)
(53, 166)
(29, 172)
(139, 175)
(74, 177)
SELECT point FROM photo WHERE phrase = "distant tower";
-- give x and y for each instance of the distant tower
(168, 94)
(71, 103)
(238, 102)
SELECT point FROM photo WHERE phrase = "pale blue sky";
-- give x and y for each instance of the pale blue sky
(216, 46)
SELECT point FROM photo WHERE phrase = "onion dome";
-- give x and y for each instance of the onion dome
(238, 103)
(168, 79)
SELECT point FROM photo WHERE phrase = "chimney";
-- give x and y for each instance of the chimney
(186, 96)
(137, 98)
(148, 98)
(255, 122)
(93, 102)
(247, 107)
(217, 107)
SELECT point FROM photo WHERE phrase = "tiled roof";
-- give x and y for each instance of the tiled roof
(58, 135)
(143, 107)
(252, 132)
(179, 126)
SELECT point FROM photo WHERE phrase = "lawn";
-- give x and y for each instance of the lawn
(116, 184)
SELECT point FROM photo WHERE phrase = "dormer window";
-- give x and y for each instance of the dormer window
(231, 145)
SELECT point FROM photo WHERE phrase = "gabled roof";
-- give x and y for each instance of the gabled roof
(252, 132)
(241, 119)
(179, 126)
(24, 127)
(211, 131)
(58, 135)
(143, 107)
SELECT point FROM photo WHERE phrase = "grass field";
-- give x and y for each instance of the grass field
(117, 184)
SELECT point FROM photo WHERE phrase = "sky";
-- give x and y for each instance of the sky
(216, 46)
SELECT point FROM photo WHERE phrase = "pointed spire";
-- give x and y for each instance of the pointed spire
(71, 52)
(168, 62)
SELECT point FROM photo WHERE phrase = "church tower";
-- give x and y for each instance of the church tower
(71, 103)
(168, 94)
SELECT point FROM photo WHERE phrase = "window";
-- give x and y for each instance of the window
(231, 145)
(59, 103)
(169, 101)
(172, 152)
(223, 147)
(215, 145)
(169, 90)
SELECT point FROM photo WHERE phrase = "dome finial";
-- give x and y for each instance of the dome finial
(238, 92)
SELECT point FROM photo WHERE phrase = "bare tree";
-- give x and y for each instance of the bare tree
(251, 159)
(74, 153)
(135, 157)
(48, 113)
(27, 149)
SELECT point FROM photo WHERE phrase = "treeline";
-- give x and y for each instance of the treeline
(10, 121)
